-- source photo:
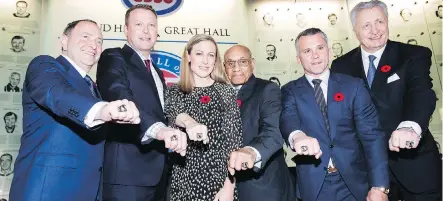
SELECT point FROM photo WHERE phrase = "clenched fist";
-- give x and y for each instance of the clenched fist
(305, 145)
(120, 111)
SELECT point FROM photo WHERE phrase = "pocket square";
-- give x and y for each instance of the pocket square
(393, 78)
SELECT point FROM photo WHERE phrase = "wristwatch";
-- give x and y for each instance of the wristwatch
(382, 189)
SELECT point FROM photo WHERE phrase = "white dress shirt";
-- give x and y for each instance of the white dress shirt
(324, 77)
(90, 116)
(152, 131)
(365, 58)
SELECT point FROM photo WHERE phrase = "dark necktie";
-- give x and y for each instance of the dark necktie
(320, 99)
(371, 70)
(148, 64)
(92, 86)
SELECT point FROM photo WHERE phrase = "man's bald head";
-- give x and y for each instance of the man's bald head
(239, 64)
(237, 48)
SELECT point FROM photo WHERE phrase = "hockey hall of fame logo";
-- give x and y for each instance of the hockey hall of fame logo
(162, 7)
(169, 64)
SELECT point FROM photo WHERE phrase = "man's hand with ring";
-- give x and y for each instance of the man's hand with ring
(197, 132)
(241, 159)
(304, 149)
(174, 139)
(122, 108)
(305, 145)
(110, 112)
(403, 138)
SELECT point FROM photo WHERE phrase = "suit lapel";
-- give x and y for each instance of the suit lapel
(307, 94)
(358, 69)
(389, 57)
(334, 107)
(74, 76)
(134, 59)
(245, 93)
(139, 66)
(160, 75)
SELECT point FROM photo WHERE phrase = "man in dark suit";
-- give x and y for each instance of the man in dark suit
(135, 154)
(331, 120)
(271, 52)
(262, 173)
(61, 152)
(14, 81)
(401, 89)
(5, 165)
(10, 119)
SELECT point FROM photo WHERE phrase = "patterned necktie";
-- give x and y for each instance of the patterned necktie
(148, 64)
(319, 97)
(91, 86)
(371, 70)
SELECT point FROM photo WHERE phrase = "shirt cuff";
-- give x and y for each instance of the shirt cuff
(411, 124)
(291, 143)
(92, 113)
(152, 131)
(257, 154)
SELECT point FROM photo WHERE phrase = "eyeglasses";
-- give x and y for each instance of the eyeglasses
(241, 62)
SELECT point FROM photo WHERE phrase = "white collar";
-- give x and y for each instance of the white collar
(324, 77)
(377, 54)
(80, 70)
(142, 57)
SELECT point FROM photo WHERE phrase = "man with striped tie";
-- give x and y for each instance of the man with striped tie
(331, 122)
(61, 151)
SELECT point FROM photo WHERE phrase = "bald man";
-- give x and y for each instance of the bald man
(259, 166)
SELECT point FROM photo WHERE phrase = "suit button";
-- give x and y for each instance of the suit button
(331, 146)
(100, 169)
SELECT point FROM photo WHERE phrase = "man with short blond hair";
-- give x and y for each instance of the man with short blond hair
(130, 73)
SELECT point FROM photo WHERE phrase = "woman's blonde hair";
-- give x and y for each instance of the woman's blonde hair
(186, 83)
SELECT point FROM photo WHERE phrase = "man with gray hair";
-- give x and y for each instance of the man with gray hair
(333, 126)
(14, 81)
(401, 88)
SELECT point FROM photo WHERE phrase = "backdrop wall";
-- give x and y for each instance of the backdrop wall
(35, 28)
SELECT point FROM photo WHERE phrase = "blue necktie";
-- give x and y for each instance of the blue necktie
(92, 86)
(371, 70)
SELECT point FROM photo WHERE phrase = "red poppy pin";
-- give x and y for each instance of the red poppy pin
(239, 102)
(339, 97)
(385, 68)
(205, 99)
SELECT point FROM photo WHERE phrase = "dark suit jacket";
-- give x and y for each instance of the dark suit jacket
(59, 158)
(355, 142)
(260, 111)
(10, 88)
(121, 74)
(410, 98)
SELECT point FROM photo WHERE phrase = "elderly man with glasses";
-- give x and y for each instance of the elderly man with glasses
(259, 101)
